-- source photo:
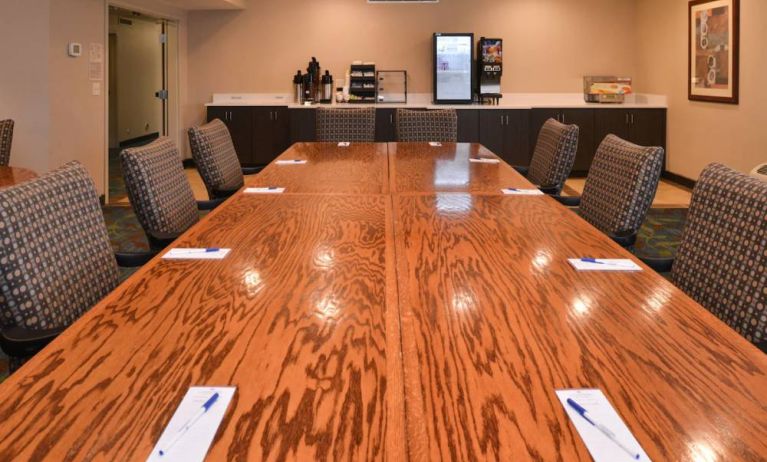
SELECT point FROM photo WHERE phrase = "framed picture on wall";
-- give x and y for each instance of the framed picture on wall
(714, 41)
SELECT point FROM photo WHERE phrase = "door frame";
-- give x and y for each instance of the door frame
(171, 114)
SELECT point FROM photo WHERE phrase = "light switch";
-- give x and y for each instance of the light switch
(96, 88)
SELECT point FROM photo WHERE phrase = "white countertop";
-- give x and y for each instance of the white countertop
(424, 100)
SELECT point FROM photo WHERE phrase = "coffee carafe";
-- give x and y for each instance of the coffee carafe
(298, 88)
(327, 88)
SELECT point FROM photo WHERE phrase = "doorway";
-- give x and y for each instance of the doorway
(142, 87)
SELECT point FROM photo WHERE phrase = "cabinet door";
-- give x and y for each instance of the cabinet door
(610, 121)
(516, 137)
(280, 132)
(468, 125)
(584, 119)
(491, 130)
(648, 127)
(386, 125)
(303, 125)
(239, 121)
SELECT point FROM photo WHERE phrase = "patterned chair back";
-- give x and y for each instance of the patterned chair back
(621, 185)
(722, 260)
(554, 154)
(353, 124)
(6, 138)
(434, 125)
(158, 188)
(216, 159)
(56, 260)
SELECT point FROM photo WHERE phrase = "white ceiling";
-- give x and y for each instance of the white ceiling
(206, 4)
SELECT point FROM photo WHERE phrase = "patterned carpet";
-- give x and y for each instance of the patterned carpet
(659, 237)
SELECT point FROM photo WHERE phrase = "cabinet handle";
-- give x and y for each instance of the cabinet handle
(391, 119)
(627, 118)
(632, 119)
(230, 116)
(275, 115)
(502, 120)
(271, 115)
(563, 118)
(507, 121)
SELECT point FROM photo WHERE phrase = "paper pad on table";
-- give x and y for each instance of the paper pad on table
(604, 264)
(269, 190)
(522, 192)
(602, 448)
(195, 254)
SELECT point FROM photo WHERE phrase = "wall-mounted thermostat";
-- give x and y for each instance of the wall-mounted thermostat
(75, 49)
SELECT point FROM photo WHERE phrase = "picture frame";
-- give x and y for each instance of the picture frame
(714, 51)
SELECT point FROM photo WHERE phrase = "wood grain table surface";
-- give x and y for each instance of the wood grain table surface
(360, 168)
(421, 168)
(375, 325)
(10, 176)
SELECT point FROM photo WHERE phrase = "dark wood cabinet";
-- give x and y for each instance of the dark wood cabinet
(259, 134)
(468, 125)
(303, 125)
(386, 125)
(583, 118)
(504, 132)
(239, 121)
(645, 127)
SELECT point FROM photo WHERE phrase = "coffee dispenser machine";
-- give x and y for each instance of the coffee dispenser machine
(490, 69)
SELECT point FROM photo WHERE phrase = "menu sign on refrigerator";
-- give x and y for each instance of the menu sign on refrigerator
(453, 68)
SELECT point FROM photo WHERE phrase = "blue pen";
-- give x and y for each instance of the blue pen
(512, 189)
(193, 251)
(606, 431)
(185, 428)
(271, 188)
(594, 260)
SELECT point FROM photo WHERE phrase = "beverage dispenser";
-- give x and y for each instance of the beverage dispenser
(490, 64)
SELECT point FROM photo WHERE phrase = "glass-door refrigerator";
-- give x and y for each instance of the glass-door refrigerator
(453, 68)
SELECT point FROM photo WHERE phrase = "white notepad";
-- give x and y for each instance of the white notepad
(484, 160)
(192, 445)
(290, 162)
(522, 192)
(266, 190)
(435, 144)
(344, 144)
(605, 264)
(601, 448)
(195, 254)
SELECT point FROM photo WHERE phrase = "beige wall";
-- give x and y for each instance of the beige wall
(700, 133)
(549, 44)
(24, 79)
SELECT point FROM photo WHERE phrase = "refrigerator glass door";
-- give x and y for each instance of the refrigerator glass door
(453, 72)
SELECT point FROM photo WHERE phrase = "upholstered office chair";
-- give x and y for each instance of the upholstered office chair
(159, 191)
(435, 125)
(722, 259)
(347, 124)
(56, 260)
(216, 159)
(620, 188)
(553, 157)
(6, 138)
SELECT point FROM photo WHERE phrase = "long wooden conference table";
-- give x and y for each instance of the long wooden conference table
(391, 304)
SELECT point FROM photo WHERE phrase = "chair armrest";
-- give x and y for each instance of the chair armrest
(133, 259)
(158, 241)
(624, 238)
(20, 342)
(661, 265)
(550, 189)
(210, 205)
(252, 170)
(569, 201)
(217, 194)
(520, 169)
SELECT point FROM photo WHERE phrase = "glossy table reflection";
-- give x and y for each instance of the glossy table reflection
(360, 168)
(419, 167)
(494, 320)
(391, 305)
(11, 176)
(301, 317)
